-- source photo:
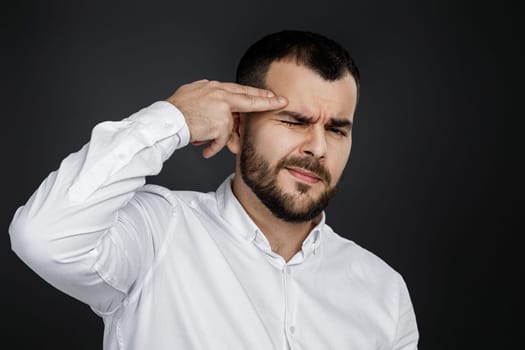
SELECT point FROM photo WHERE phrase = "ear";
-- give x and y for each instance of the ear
(234, 142)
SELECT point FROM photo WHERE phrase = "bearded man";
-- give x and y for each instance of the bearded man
(253, 265)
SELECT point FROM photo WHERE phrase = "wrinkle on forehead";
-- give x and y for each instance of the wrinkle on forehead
(304, 118)
(311, 95)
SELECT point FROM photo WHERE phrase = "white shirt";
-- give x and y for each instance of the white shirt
(189, 270)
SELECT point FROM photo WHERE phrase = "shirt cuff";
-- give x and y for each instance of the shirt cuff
(172, 111)
(173, 121)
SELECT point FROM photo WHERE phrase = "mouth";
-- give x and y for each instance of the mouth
(303, 175)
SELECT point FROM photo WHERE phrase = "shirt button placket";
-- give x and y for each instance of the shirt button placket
(287, 279)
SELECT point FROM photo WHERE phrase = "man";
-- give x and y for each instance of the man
(250, 266)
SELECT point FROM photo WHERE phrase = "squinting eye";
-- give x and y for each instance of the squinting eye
(289, 123)
(337, 131)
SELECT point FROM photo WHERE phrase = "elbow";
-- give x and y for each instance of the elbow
(27, 240)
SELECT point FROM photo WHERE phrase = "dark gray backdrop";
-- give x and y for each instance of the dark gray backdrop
(420, 190)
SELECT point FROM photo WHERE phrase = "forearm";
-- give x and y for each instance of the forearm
(85, 230)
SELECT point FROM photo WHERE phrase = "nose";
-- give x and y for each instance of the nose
(315, 142)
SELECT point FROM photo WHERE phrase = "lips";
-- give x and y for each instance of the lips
(304, 175)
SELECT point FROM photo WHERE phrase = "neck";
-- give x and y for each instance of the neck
(285, 238)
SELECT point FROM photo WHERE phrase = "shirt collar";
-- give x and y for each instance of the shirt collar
(233, 212)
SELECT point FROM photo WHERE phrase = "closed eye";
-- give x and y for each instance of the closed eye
(289, 123)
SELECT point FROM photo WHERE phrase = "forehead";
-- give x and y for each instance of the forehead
(308, 93)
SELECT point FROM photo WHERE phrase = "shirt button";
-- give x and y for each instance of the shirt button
(292, 329)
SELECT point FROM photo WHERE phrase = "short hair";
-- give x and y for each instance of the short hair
(315, 51)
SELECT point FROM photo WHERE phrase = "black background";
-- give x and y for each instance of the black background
(421, 190)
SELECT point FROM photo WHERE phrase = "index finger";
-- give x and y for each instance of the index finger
(253, 103)
(245, 89)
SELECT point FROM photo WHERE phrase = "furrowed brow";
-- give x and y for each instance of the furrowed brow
(334, 122)
(340, 123)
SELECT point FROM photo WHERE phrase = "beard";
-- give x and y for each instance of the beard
(262, 180)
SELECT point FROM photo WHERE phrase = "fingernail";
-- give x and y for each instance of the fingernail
(270, 94)
(282, 99)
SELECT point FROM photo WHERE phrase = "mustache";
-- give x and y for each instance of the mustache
(308, 163)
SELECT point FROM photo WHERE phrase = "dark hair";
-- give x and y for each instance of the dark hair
(315, 51)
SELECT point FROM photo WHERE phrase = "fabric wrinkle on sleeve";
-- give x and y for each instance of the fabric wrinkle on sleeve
(137, 242)
(114, 144)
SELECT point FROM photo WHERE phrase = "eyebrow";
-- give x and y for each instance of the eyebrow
(337, 122)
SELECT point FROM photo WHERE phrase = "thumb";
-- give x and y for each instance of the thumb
(214, 147)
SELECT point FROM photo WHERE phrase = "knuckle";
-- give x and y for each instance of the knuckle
(224, 107)
(219, 94)
(253, 101)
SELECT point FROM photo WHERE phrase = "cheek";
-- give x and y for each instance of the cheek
(276, 145)
(336, 170)
(339, 161)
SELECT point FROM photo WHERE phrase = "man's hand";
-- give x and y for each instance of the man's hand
(208, 107)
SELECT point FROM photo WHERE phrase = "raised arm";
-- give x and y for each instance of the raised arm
(88, 229)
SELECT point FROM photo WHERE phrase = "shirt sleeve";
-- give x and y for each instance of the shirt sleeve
(87, 229)
(407, 335)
